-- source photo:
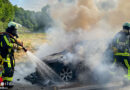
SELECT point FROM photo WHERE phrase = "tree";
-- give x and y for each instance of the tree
(33, 20)
(6, 12)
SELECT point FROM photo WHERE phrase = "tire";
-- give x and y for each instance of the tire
(66, 74)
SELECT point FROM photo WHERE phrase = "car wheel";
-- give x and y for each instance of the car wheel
(66, 74)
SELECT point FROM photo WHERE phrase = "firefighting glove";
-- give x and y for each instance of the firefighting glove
(115, 50)
(19, 43)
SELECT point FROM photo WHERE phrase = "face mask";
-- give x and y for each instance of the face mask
(127, 32)
(14, 33)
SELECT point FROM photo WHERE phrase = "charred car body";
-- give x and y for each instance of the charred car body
(68, 71)
(70, 65)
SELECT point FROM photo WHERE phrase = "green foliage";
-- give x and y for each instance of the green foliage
(1, 27)
(6, 13)
(32, 20)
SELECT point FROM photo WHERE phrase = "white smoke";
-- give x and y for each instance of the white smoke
(84, 45)
(57, 40)
(107, 5)
(92, 51)
(22, 70)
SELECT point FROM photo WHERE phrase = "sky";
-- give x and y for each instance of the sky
(17, 2)
(35, 5)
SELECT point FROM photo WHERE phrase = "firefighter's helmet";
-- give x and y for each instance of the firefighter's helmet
(12, 28)
(126, 26)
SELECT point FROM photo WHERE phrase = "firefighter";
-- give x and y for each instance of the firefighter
(121, 48)
(7, 52)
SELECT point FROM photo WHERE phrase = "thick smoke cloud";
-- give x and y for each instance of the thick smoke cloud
(120, 15)
(83, 14)
(106, 5)
(82, 18)
(81, 45)
(79, 14)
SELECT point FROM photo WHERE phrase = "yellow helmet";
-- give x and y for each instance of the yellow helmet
(12, 28)
(12, 24)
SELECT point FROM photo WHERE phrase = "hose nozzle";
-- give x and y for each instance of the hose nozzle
(25, 49)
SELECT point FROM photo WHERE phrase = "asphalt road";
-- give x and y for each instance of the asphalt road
(110, 86)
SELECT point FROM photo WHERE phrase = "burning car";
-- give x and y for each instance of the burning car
(67, 70)
(69, 65)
